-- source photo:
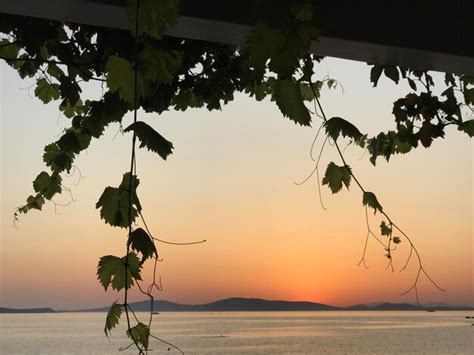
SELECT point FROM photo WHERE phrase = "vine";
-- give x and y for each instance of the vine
(145, 70)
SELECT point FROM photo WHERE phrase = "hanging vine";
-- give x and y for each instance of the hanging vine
(145, 70)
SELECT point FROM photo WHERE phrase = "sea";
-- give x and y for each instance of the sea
(320, 332)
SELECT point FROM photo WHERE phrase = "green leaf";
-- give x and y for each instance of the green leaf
(111, 271)
(112, 318)
(8, 49)
(153, 16)
(337, 126)
(468, 127)
(385, 229)
(331, 83)
(262, 44)
(140, 241)
(185, 99)
(71, 110)
(391, 72)
(35, 202)
(151, 139)
(369, 199)
(307, 92)
(140, 333)
(290, 101)
(412, 83)
(56, 159)
(55, 71)
(46, 92)
(121, 79)
(73, 142)
(47, 185)
(114, 203)
(303, 12)
(159, 65)
(259, 90)
(296, 44)
(336, 176)
(375, 73)
(396, 240)
(110, 109)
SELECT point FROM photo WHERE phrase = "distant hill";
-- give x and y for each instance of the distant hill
(254, 304)
(26, 310)
(227, 305)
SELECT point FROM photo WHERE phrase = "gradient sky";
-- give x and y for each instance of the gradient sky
(231, 181)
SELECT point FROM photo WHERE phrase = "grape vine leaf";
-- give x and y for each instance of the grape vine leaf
(262, 43)
(375, 74)
(468, 127)
(151, 139)
(140, 241)
(303, 12)
(140, 333)
(32, 203)
(336, 176)
(290, 101)
(120, 78)
(153, 16)
(57, 159)
(46, 91)
(296, 43)
(114, 203)
(73, 142)
(47, 185)
(397, 240)
(113, 316)
(111, 271)
(55, 71)
(385, 229)
(307, 92)
(337, 126)
(8, 49)
(369, 199)
(391, 71)
(159, 65)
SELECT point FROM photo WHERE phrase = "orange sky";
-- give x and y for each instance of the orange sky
(231, 181)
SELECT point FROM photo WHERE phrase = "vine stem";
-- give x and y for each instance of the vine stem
(421, 268)
(131, 183)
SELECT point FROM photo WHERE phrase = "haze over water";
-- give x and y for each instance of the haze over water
(358, 332)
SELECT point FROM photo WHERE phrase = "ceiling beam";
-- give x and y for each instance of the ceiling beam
(107, 14)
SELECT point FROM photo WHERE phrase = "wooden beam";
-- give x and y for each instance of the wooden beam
(106, 14)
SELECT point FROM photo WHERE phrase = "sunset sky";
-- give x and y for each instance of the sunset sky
(231, 181)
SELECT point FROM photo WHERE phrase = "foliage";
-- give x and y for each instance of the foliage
(370, 200)
(337, 126)
(144, 69)
(336, 176)
(140, 334)
(114, 203)
(118, 272)
(140, 241)
(151, 139)
(113, 316)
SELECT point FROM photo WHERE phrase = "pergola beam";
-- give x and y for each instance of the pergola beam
(194, 26)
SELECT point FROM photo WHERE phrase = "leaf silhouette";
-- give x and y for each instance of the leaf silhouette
(369, 199)
(336, 176)
(151, 139)
(113, 316)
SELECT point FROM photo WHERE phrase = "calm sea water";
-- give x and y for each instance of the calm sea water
(248, 333)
